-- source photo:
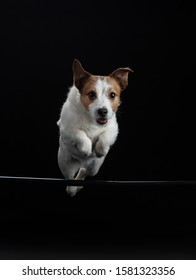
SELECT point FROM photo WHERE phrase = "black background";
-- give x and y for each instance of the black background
(156, 119)
(40, 39)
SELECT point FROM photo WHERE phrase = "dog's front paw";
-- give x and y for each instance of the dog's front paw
(85, 147)
(101, 149)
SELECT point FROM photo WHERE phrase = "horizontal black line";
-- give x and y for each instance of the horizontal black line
(98, 182)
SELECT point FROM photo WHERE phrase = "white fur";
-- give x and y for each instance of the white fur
(83, 143)
(102, 100)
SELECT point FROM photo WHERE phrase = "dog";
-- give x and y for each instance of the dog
(88, 126)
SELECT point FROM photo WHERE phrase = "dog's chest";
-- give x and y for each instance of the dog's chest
(92, 131)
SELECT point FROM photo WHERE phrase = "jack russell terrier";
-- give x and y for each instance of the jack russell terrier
(87, 124)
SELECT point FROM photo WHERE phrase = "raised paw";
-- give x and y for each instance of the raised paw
(101, 149)
(85, 147)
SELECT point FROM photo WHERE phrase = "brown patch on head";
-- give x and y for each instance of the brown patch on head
(113, 92)
(87, 91)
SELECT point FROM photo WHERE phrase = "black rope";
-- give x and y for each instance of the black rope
(98, 182)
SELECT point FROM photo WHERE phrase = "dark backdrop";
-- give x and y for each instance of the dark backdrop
(40, 39)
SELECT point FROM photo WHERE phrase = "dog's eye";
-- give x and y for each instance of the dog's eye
(91, 95)
(112, 95)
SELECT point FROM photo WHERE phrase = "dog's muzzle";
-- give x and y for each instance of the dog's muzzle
(102, 119)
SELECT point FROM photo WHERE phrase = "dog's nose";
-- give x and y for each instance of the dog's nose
(102, 112)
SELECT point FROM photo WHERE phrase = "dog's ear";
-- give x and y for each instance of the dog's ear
(121, 76)
(79, 74)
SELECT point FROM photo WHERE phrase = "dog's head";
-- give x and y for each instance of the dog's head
(100, 95)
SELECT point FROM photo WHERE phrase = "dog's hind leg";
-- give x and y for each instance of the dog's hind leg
(72, 190)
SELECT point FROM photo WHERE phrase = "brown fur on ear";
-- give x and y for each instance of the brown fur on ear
(79, 74)
(121, 76)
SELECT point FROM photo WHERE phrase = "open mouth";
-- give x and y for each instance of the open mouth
(102, 121)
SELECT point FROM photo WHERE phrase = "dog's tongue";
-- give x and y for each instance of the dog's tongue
(102, 120)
